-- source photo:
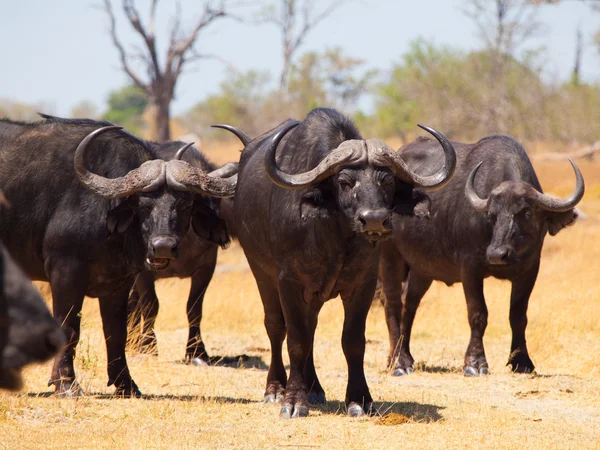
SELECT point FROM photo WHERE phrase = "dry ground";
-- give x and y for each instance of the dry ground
(436, 407)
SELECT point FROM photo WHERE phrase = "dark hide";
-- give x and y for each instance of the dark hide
(28, 333)
(197, 259)
(306, 246)
(460, 244)
(81, 243)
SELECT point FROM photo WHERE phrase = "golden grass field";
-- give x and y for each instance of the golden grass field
(436, 407)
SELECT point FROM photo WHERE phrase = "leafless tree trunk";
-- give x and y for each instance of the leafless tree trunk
(503, 27)
(159, 84)
(296, 19)
(576, 75)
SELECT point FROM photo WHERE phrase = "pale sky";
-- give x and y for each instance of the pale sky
(59, 52)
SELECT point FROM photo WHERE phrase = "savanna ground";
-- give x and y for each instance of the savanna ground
(436, 407)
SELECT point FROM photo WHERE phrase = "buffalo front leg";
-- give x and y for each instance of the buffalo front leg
(68, 286)
(356, 307)
(113, 309)
(316, 394)
(519, 359)
(415, 289)
(142, 312)
(392, 272)
(195, 351)
(475, 361)
(276, 330)
(299, 339)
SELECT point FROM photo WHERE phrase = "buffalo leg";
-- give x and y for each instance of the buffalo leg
(356, 309)
(475, 361)
(142, 313)
(316, 394)
(276, 330)
(415, 289)
(519, 300)
(113, 309)
(68, 287)
(195, 350)
(392, 271)
(299, 338)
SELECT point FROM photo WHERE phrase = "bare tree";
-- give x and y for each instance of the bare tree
(296, 19)
(161, 79)
(504, 26)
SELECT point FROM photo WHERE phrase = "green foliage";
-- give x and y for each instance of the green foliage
(126, 107)
(471, 95)
(250, 101)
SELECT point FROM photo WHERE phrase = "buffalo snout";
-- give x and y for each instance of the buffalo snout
(499, 256)
(165, 247)
(375, 221)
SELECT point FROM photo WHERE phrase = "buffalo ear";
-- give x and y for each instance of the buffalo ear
(558, 221)
(120, 218)
(412, 202)
(317, 203)
(208, 225)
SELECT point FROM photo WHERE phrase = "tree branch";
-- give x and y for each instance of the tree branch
(148, 36)
(122, 53)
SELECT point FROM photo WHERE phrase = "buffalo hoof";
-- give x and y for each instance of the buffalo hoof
(471, 371)
(521, 363)
(289, 411)
(523, 369)
(199, 362)
(317, 398)
(274, 398)
(68, 389)
(131, 392)
(401, 371)
(355, 410)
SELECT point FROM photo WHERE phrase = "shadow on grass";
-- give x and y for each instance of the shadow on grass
(417, 412)
(150, 397)
(234, 362)
(427, 368)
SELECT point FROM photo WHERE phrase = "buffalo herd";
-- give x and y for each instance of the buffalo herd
(319, 212)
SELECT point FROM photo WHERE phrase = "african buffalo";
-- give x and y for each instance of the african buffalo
(197, 259)
(489, 220)
(28, 333)
(310, 222)
(91, 231)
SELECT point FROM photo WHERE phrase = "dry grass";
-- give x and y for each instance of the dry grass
(436, 407)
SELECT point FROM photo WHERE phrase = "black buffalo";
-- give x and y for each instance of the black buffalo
(489, 220)
(91, 231)
(313, 235)
(28, 333)
(197, 259)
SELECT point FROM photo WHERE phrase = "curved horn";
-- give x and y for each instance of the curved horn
(557, 205)
(182, 150)
(385, 156)
(348, 152)
(228, 170)
(477, 202)
(145, 178)
(182, 176)
(442, 177)
(239, 133)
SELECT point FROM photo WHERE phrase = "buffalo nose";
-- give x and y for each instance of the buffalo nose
(498, 255)
(165, 247)
(55, 340)
(375, 221)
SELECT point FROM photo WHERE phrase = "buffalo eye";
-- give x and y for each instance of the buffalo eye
(345, 183)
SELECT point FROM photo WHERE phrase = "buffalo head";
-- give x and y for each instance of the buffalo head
(28, 333)
(159, 194)
(520, 215)
(363, 180)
